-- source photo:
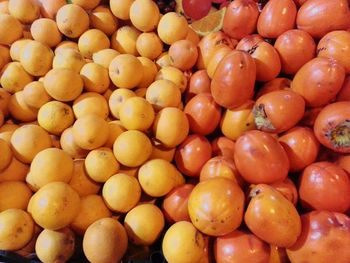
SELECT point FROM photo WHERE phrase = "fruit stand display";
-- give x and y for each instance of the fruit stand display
(187, 131)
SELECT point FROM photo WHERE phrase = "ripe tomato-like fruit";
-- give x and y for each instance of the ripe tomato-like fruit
(220, 166)
(223, 146)
(344, 93)
(301, 146)
(295, 47)
(199, 83)
(277, 17)
(234, 78)
(203, 114)
(240, 18)
(332, 126)
(260, 158)
(175, 204)
(336, 45)
(192, 154)
(319, 81)
(325, 186)
(211, 218)
(318, 17)
(325, 237)
(241, 247)
(196, 9)
(273, 85)
(278, 111)
(288, 189)
(249, 41)
(280, 228)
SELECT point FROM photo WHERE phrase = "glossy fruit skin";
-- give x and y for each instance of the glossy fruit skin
(276, 17)
(336, 45)
(280, 228)
(211, 218)
(240, 18)
(199, 83)
(318, 17)
(267, 60)
(319, 81)
(249, 41)
(241, 247)
(295, 47)
(344, 93)
(235, 75)
(223, 146)
(344, 162)
(325, 186)
(325, 238)
(220, 166)
(333, 117)
(175, 204)
(288, 189)
(192, 154)
(260, 158)
(273, 85)
(301, 146)
(278, 111)
(203, 114)
(196, 9)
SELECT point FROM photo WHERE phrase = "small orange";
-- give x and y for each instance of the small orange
(8, 198)
(91, 41)
(117, 98)
(90, 103)
(16, 171)
(16, 48)
(132, 148)
(124, 40)
(72, 20)
(104, 57)
(175, 75)
(46, 31)
(68, 58)
(102, 18)
(86, 4)
(35, 95)
(163, 93)
(19, 110)
(115, 129)
(26, 11)
(121, 8)
(183, 54)
(66, 44)
(178, 28)
(95, 77)
(69, 145)
(144, 15)
(149, 45)
(11, 29)
(14, 77)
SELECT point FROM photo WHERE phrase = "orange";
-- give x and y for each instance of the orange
(140, 229)
(102, 18)
(26, 11)
(149, 73)
(6, 154)
(192, 36)
(121, 8)
(136, 113)
(161, 152)
(88, 216)
(16, 48)
(116, 188)
(91, 41)
(213, 22)
(132, 148)
(86, 4)
(126, 71)
(46, 31)
(183, 54)
(173, 74)
(14, 77)
(115, 129)
(117, 98)
(11, 29)
(217, 55)
(60, 168)
(6, 131)
(163, 60)
(49, 8)
(9, 197)
(109, 236)
(66, 44)
(157, 177)
(28, 140)
(63, 84)
(35, 95)
(72, 20)
(149, 45)
(172, 27)
(20, 110)
(52, 245)
(163, 93)
(69, 145)
(144, 15)
(81, 182)
(124, 40)
(54, 206)
(90, 103)
(68, 58)
(11, 221)
(171, 126)
(16, 171)
(95, 77)
(104, 57)
(55, 117)
(183, 243)
(90, 131)
(101, 164)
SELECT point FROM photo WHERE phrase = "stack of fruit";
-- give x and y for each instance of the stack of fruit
(219, 130)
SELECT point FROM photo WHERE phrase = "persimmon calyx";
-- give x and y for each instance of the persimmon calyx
(261, 120)
(339, 136)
